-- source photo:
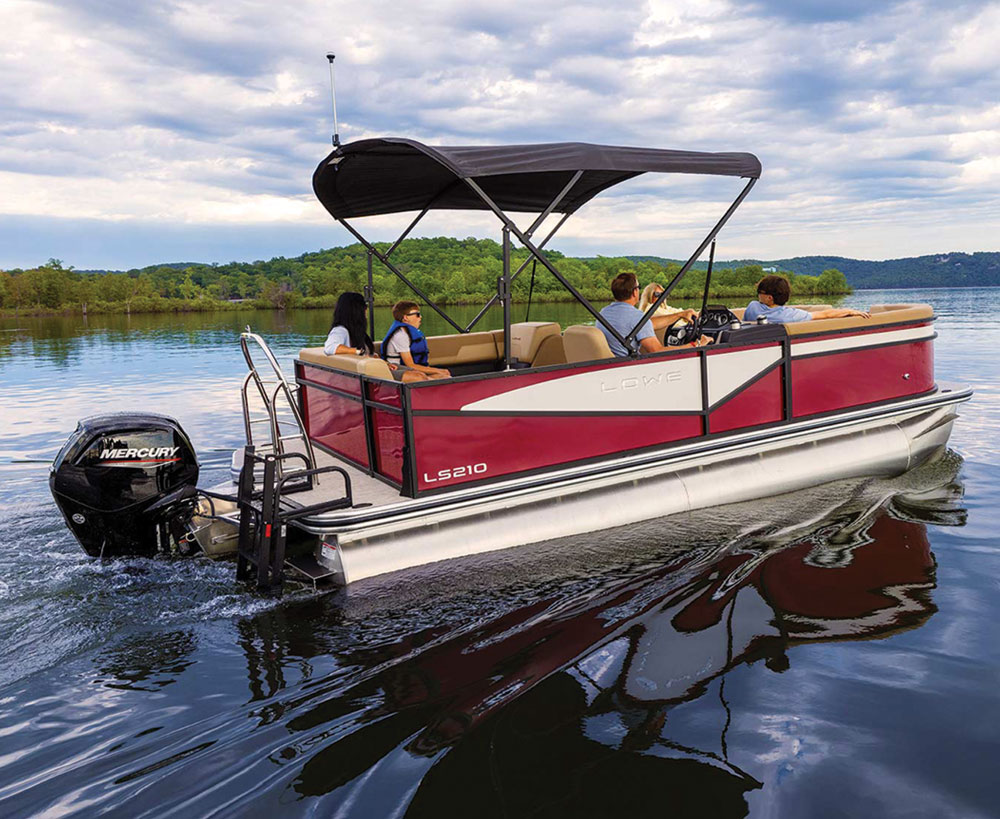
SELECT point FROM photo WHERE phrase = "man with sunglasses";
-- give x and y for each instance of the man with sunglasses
(405, 345)
(623, 315)
(773, 293)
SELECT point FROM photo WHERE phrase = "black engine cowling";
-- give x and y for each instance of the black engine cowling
(126, 484)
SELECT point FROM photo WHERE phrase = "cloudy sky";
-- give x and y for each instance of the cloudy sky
(140, 132)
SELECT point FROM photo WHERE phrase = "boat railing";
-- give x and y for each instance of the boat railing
(264, 518)
(280, 400)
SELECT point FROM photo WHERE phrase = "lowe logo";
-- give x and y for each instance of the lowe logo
(642, 381)
(163, 454)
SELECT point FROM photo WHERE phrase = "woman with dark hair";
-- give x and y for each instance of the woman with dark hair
(348, 335)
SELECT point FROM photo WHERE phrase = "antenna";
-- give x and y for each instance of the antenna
(333, 96)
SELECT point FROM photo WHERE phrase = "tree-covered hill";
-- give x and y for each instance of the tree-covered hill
(450, 271)
(939, 270)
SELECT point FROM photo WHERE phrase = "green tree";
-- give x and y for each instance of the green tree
(277, 294)
(188, 289)
(833, 281)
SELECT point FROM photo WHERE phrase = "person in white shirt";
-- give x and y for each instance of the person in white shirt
(348, 335)
(651, 293)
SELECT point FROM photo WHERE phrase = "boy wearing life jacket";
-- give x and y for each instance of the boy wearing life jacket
(405, 345)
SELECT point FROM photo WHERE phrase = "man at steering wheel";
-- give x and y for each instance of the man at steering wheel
(623, 315)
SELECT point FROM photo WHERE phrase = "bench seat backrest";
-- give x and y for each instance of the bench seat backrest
(361, 365)
(584, 342)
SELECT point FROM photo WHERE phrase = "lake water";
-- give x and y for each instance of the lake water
(829, 653)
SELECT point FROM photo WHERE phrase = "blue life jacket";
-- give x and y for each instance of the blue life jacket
(418, 343)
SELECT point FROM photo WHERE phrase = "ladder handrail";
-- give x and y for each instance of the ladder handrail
(282, 386)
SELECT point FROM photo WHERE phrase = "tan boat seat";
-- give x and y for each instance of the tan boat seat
(463, 348)
(362, 365)
(551, 351)
(881, 314)
(924, 309)
(583, 342)
(526, 338)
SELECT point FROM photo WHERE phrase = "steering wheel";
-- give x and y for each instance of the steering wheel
(677, 334)
(713, 319)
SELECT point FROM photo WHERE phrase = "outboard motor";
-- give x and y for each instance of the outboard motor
(126, 484)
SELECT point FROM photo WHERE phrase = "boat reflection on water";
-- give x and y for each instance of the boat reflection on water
(570, 702)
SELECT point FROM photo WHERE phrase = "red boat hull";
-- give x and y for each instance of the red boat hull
(438, 435)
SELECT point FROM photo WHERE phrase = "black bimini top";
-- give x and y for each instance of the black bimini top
(389, 175)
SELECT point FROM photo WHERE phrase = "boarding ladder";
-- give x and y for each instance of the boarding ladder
(280, 402)
(272, 470)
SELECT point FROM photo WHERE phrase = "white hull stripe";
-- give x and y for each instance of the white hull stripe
(669, 386)
(857, 342)
(652, 385)
(730, 371)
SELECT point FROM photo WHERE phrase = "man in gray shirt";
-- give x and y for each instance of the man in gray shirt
(772, 294)
(623, 315)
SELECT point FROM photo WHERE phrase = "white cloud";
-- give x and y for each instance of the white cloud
(971, 47)
(867, 121)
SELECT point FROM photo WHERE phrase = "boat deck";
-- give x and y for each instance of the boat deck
(366, 490)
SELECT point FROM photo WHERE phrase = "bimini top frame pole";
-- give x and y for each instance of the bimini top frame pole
(520, 269)
(380, 176)
(384, 259)
(529, 232)
(687, 265)
(537, 253)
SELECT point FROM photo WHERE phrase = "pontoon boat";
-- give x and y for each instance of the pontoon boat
(541, 432)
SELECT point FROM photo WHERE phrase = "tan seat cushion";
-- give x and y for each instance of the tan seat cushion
(881, 314)
(463, 348)
(551, 351)
(583, 342)
(527, 336)
(362, 365)
(925, 310)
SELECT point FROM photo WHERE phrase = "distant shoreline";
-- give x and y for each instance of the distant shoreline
(210, 306)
